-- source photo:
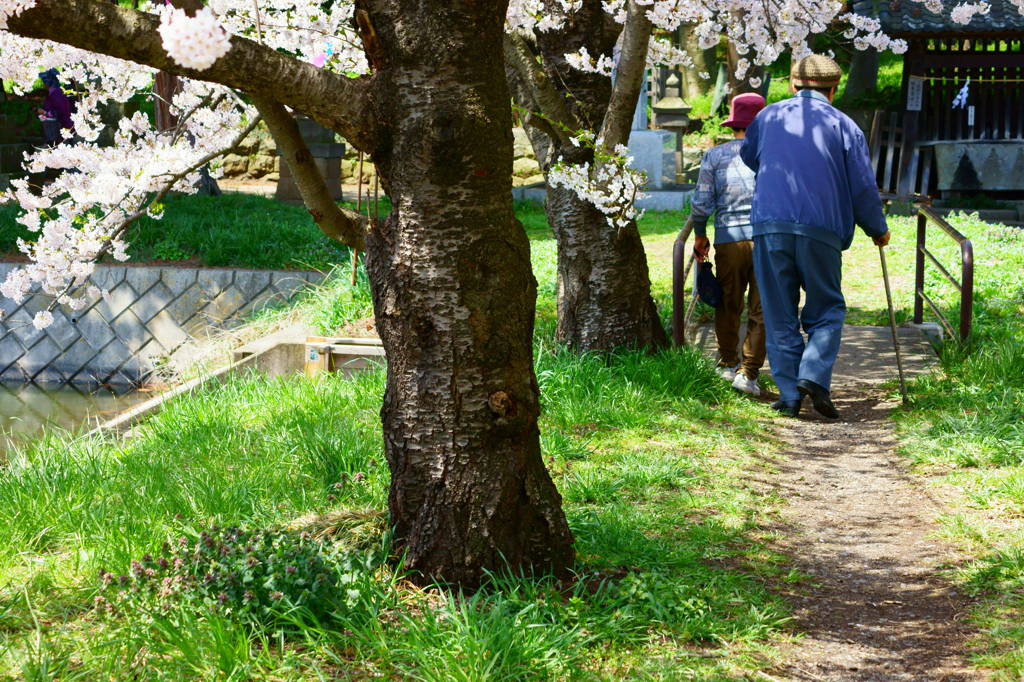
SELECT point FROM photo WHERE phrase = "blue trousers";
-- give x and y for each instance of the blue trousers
(784, 264)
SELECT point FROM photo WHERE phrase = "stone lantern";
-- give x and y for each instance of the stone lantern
(672, 113)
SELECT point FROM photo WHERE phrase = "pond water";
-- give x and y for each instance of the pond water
(27, 409)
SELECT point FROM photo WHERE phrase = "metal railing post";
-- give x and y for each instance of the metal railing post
(922, 223)
(966, 288)
(966, 284)
(679, 293)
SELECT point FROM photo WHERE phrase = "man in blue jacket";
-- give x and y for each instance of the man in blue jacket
(814, 182)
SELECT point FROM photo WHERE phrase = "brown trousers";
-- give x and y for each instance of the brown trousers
(734, 263)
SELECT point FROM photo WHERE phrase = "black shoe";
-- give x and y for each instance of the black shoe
(820, 398)
(788, 408)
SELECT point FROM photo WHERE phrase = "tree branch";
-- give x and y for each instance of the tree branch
(551, 104)
(339, 103)
(629, 78)
(337, 223)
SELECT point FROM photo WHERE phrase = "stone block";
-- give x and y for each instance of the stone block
(249, 145)
(116, 301)
(224, 306)
(654, 153)
(20, 325)
(42, 355)
(11, 350)
(212, 282)
(108, 360)
(108, 276)
(267, 145)
(188, 304)
(52, 374)
(166, 332)
(252, 282)
(521, 146)
(62, 331)
(152, 302)
(178, 280)
(260, 165)
(524, 168)
(235, 165)
(130, 330)
(142, 278)
(78, 357)
(7, 306)
(13, 373)
(94, 330)
(287, 285)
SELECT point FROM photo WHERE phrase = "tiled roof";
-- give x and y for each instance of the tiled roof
(910, 18)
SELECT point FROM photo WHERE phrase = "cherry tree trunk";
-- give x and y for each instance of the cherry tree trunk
(452, 287)
(454, 299)
(604, 293)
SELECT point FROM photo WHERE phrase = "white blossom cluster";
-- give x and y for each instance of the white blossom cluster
(304, 28)
(82, 213)
(193, 42)
(11, 8)
(965, 11)
(613, 186)
(582, 61)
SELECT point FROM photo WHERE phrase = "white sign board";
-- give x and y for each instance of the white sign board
(970, 116)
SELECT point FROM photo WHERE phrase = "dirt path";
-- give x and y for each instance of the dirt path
(877, 605)
(863, 527)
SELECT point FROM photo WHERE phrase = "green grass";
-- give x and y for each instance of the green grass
(652, 454)
(966, 425)
(233, 230)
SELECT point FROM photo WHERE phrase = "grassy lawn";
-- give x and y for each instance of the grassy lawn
(233, 230)
(653, 454)
(656, 460)
(966, 426)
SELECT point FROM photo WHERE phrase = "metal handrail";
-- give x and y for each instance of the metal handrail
(680, 273)
(965, 286)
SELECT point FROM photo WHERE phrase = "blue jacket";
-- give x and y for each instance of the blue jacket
(814, 174)
(725, 187)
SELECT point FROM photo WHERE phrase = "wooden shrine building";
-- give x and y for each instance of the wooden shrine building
(930, 146)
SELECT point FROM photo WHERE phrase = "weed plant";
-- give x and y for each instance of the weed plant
(651, 453)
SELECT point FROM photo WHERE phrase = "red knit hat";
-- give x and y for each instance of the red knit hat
(743, 109)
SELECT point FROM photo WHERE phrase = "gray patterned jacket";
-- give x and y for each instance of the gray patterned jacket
(725, 188)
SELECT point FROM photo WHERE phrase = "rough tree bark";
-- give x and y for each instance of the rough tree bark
(694, 85)
(863, 77)
(604, 293)
(449, 268)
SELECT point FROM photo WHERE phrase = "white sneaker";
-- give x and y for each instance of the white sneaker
(745, 384)
(727, 373)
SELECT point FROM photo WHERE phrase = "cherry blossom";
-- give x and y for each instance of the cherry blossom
(100, 189)
(193, 42)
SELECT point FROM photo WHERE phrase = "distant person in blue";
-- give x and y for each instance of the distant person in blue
(57, 108)
(814, 182)
(725, 188)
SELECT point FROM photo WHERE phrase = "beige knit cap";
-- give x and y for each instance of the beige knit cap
(816, 71)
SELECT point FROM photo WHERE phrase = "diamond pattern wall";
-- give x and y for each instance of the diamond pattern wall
(150, 314)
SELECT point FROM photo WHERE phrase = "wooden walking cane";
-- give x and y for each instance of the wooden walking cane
(892, 324)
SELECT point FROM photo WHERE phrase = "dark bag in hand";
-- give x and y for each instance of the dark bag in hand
(708, 288)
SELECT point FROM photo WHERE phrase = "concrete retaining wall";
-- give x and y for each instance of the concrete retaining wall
(151, 314)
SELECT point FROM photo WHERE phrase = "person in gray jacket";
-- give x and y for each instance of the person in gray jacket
(725, 188)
